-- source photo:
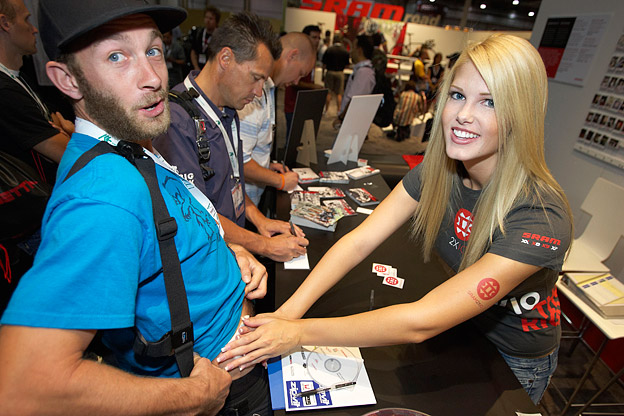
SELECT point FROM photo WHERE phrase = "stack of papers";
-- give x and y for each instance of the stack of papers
(333, 177)
(362, 172)
(314, 216)
(604, 292)
(362, 196)
(306, 175)
(326, 192)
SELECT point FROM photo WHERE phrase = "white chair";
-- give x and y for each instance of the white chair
(605, 203)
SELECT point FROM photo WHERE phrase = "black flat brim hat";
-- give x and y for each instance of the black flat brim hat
(63, 21)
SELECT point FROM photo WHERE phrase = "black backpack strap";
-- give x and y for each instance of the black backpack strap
(185, 100)
(179, 341)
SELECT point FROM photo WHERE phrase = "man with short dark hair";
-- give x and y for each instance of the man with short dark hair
(241, 56)
(199, 47)
(99, 266)
(362, 80)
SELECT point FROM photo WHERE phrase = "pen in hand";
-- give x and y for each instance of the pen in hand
(292, 228)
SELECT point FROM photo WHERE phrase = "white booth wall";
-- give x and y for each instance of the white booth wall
(567, 107)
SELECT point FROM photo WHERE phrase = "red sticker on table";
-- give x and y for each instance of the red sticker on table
(487, 288)
(380, 268)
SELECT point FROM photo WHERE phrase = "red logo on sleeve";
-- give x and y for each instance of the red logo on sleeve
(487, 288)
(463, 224)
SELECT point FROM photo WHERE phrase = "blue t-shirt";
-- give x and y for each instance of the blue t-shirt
(179, 147)
(98, 266)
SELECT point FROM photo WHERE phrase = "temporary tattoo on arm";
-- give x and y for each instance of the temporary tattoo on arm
(488, 288)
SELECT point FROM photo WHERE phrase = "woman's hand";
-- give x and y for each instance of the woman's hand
(263, 336)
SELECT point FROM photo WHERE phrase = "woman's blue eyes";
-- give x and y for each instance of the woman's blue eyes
(455, 95)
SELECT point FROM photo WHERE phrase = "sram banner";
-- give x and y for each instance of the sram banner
(356, 8)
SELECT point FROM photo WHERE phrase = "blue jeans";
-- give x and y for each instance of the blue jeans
(534, 374)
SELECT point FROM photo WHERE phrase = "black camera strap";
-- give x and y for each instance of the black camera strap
(179, 341)
(185, 100)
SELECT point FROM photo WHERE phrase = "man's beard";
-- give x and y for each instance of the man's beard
(110, 115)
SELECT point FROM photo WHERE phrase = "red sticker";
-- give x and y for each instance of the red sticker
(380, 268)
(463, 224)
(392, 280)
(487, 288)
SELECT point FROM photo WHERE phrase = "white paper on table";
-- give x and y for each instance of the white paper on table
(298, 263)
(308, 368)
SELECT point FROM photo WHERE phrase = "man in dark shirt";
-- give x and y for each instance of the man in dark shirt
(202, 37)
(232, 77)
(335, 60)
(29, 132)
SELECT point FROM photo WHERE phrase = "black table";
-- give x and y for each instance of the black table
(458, 372)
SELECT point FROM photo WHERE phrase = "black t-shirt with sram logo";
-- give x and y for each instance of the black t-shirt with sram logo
(526, 321)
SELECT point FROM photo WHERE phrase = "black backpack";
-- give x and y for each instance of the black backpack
(383, 117)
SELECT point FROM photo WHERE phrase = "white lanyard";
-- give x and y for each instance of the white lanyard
(232, 151)
(10, 74)
(87, 128)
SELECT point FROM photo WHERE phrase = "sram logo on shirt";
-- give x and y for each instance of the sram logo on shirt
(543, 241)
(463, 224)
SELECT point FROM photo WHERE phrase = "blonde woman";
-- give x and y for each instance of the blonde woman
(485, 200)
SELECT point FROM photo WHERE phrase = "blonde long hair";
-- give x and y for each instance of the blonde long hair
(516, 77)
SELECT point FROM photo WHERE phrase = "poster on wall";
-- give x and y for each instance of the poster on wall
(568, 46)
(602, 134)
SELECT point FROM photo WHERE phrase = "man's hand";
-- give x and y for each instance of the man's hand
(268, 228)
(291, 180)
(63, 125)
(253, 273)
(284, 247)
(214, 382)
(278, 167)
(280, 243)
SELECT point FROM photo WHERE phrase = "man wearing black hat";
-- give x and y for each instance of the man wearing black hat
(99, 268)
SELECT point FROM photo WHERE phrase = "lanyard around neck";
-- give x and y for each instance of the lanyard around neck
(89, 129)
(24, 84)
(231, 143)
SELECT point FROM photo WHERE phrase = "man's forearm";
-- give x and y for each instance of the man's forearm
(258, 175)
(43, 373)
(235, 234)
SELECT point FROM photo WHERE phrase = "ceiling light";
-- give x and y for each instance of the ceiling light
(483, 6)
(531, 14)
(515, 2)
